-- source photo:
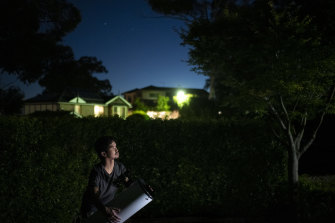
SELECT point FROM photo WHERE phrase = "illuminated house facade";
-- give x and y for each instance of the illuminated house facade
(149, 96)
(80, 103)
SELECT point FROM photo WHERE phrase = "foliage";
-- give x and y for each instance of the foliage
(37, 169)
(45, 163)
(321, 183)
(69, 73)
(30, 35)
(31, 48)
(11, 101)
(52, 114)
(325, 202)
(316, 204)
(139, 105)
(163, 103)
(199, 108)
(317, 191)
(269, 59)
(138, 114)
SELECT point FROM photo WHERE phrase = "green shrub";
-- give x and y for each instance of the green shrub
(138, 115)
(317, 198)
(215, 167)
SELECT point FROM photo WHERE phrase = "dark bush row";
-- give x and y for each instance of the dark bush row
(211, 168)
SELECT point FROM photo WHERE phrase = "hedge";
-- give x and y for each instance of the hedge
(219, 168)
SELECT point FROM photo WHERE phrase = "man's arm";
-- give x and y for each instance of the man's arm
(96, 200)
(111, 213)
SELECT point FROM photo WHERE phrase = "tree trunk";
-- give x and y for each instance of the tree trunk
(293, 167)
(212, 88)
(293, 178)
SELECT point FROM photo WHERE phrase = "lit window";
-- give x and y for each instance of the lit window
(77, 109)
(98, 110)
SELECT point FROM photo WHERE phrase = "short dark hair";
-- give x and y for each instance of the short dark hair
(102, 144)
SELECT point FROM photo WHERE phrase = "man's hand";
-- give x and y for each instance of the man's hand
(113, 214)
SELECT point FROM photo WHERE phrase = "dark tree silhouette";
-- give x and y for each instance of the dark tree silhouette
(10, 101)
(30, 32)
(66, 72)
(278, 56)
(272, 60)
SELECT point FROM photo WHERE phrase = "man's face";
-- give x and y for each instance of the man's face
(112, 151)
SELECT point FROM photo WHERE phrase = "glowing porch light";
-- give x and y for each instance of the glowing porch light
(181, 98)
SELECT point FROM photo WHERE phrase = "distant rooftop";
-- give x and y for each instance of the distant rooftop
(67, 95)
(151, 87)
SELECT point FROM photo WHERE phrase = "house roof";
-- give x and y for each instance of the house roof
(43, 98)
(119, 100)
(67, 95)
(169, 89)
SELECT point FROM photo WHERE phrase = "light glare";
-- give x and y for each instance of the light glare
(98, 110)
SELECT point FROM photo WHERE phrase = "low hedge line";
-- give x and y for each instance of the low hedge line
(212, 168)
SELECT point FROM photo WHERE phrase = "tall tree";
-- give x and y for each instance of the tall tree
(199, 108)
(30, 31)
(65, 72)
(11, 101)
(278, 56)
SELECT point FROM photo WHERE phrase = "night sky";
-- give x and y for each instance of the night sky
(137, 48)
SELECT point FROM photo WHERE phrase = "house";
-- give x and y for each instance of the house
(149, 96)
(80, 102)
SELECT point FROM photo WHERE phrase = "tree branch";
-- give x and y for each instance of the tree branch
(301, 133)
(284, 108)
(288, 127)
(292, 141)
(275, 133)
(277, 115)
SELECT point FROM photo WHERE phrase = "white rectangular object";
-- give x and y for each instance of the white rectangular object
(129, 201)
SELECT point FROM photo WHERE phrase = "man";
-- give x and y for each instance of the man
(102, 184)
